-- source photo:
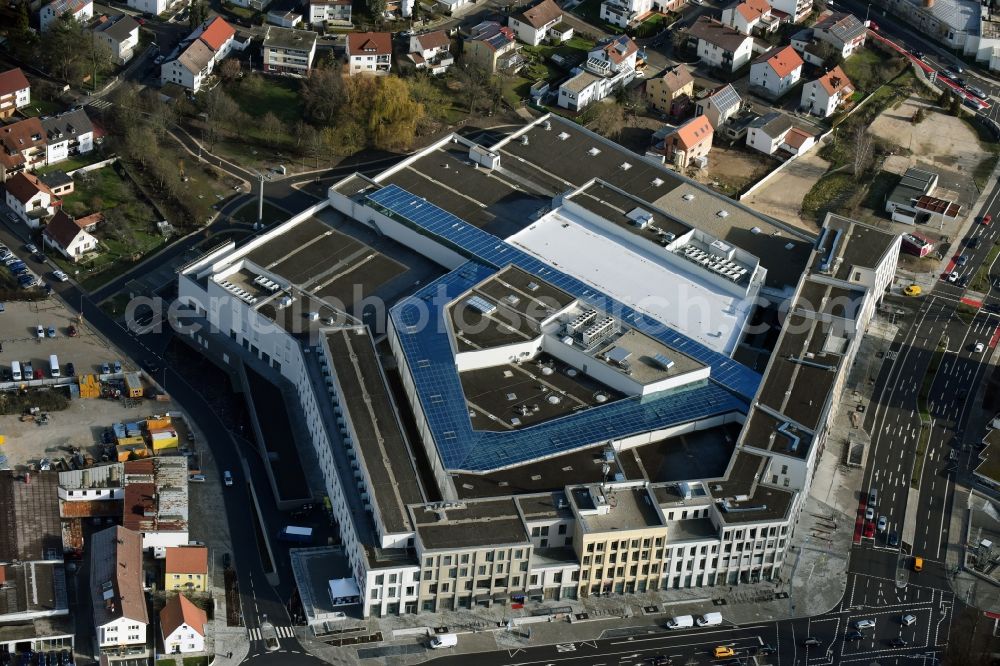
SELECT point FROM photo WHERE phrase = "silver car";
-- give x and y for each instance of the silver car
(883, 522)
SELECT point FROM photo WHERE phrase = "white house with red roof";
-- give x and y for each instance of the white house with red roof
(775, 72)
(182, 625)
(431, 51)
(71, 236)
(824, 96)
(15, 92)
(193, 61)
(30, 198)
(369, 53)
(532, 25)
(750, 16)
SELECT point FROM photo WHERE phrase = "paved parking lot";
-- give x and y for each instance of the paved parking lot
(19, 341)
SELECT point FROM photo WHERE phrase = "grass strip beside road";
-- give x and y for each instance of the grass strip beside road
(925, 387)
(918, 461)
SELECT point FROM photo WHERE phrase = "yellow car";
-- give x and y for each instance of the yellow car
(913, 290)
(723, 651)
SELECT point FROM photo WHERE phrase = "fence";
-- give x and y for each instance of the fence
(94, 166)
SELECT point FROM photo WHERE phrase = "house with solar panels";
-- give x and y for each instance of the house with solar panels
(568, 322)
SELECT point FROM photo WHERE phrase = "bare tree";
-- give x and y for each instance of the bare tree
(863, 151)
(272, 128)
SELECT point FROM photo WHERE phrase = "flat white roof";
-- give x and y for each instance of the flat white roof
(638, 278)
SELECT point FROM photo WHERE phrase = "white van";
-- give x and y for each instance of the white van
(710, 620)
(680, 622)
(15, 371)
(53, 365)
(444, 641)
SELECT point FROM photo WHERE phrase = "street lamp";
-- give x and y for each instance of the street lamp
(867, 10)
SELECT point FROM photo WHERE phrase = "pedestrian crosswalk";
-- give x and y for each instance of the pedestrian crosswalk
(257, 634)
(99, 103)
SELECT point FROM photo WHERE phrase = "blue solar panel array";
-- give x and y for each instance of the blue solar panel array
(424, 338)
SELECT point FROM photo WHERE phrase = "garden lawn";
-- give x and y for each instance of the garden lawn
(280, 96)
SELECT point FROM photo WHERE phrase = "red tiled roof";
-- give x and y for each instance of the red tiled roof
(62, 230)
(375, 43)
(693, 132)
(796, 137)
(782, 59)
(24, 186)
(12, 80)
(19, 137)
(179, 610)
(835, 81)
(619, 48)
(434, 40)
(752, 10)
(187, 559)
(217, 33)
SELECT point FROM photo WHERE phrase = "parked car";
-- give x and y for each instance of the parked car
(978, 92)
(811, 642)
(953, 277)
(899, 642)
(978, 348)
(893, 539)
(70, 370)
(723, 651)
(105, 368)
(908, 620)
(864, 624)
(854, 635)
(51, 331)
(59, 275)
(986, 219)
(38, 256)
(963, 281)
(883, 523)
(869, 514)
(961, 260)
(71, 331)
(30, 248)
(227, 478)
(196, 478)
(118, 366)
(39, 331)
(973, 243)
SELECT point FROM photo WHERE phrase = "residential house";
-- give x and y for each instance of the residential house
(824, 96)
(672, 91)
(369, 53)
(610, 65)
(284, 18)
(257, 5)
(117, 599)
(718, 45)
(750, 17)
(775, 72)
(774, 131)
(182, 625)
(59, 182)
(915, 200)
(627, 13)
(30, 198)
(337, 12)
(532, 25)
(809, 48)
(150, 7)
(15, 92)
(81, 10)
(791, 11)
(689, 144)
(288, 51)
(192, 62)
(120, 34)
(186, 569)
(67, 135)
(70, 236)
(431, 51)
(493, 47)
(844, 32)
(718, 105)
(22, 146)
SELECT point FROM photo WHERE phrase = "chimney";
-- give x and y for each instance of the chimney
(928, 4)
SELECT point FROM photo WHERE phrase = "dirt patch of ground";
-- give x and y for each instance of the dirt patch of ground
(730, 170)
(781, 197)
(943, 140)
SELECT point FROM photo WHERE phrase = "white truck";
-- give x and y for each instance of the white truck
(680, 622)
(710, 620)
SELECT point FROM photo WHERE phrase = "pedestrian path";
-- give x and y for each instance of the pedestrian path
(283, 632)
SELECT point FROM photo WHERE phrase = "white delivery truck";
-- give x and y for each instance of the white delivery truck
(15, 371)
(53, 365)
(444, 641)
(680, 622)
(710, 620)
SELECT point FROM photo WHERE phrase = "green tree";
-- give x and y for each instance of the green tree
(197, 14)
(376, 8)
(393, 114)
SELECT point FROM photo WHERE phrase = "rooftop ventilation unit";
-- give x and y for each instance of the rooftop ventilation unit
(723, 213)
(656, 182)
(481, 305)
(547, 125)
(594, 152)
(563, 136)
(524, 140)
(755, 230)
(625, 166)
(663, 361)
(313, 316)
(688, 197)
